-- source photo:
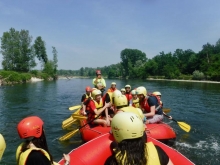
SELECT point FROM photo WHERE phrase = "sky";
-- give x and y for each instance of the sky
(92, 33)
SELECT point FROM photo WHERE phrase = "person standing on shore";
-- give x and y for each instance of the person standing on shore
(99, 82)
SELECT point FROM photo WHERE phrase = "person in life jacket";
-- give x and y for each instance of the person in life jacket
(121, 105)
(158, 95)
(150, 106)
(85, 97)
(108, 98)
(2, 146)
(96, 107)
(130, 145)
(112, 88)
(99, 82)
(135, 99)
(34, 150)
(128, 94)
(123, 91)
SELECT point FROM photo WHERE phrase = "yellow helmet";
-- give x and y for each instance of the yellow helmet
(157, 93)
(140, 112)
(123, 90)
(120, 100)
(127, 125)
(133, 92)
(96, 92)
(116, 93)
(141, 90)
(2, 145)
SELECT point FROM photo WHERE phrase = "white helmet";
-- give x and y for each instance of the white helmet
(127, 125)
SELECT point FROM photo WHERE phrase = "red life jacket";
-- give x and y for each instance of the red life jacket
(129, 96)
(145, 106)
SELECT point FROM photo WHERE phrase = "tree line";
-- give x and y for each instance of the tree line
(181, 64)
(19, 53)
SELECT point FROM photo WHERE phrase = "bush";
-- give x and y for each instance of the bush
(197, 75)
(11, 76)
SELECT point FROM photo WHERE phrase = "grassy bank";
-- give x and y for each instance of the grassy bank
(12, 77)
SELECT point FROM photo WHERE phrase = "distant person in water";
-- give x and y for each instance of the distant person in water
(99, 82)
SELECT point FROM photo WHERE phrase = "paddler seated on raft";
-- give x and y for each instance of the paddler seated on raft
(85, 98)
(123, 91)
(2, 146)
(108, 98)
(112, 88)
(34, 150)
(159, 95)
(135, 99)
(121, 105)
(150, 106)
(130, 145)
(99, 82)
(95, 108)
(128, 94)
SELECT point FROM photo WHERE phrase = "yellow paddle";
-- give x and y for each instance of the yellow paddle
(74, 107)
(186, 127)
(166, 110)
(68, 122)
(2, 145)
(72, 133)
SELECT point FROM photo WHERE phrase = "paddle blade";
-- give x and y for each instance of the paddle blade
(166, 110)
(74, 107)
(2, 145)
(68, 135)
(69, 123)
(184, 126)
(78, 117)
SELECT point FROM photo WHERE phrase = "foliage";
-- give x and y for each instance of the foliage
(182, 64)
(197, 75)
(130, 60)
(12, 76)
(49, 68)
(55, 60)
(17, 51)
(40, 50)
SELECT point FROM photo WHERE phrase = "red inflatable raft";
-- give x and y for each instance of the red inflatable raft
(96, 151)
(161, 131)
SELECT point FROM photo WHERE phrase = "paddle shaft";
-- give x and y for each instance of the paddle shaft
(70, 134)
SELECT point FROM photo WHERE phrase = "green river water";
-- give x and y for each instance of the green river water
(194, 103)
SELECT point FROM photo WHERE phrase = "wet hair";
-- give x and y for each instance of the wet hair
(40, 142)
(135, 150)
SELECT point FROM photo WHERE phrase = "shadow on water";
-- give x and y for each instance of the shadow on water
(194, 103)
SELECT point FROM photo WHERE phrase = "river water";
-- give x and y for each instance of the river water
(194, 103)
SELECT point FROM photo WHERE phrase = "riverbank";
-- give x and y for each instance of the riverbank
(199, 81)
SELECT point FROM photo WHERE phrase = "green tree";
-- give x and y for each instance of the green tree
(49, 68)
(17, 51)
(82, 71)
(55, 60)
(129, 58)
(40, 50)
